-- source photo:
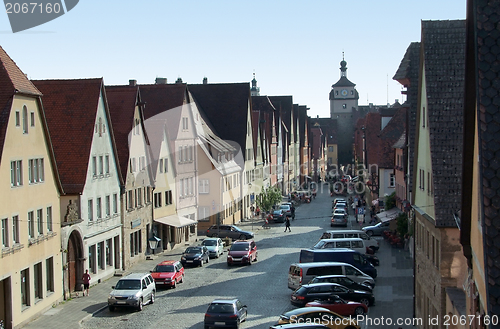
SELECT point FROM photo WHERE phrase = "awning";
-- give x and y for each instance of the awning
(388, 215)
(175, 220)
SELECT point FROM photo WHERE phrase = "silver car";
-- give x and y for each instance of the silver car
(215, 246)
(377, 229)
(134, 290)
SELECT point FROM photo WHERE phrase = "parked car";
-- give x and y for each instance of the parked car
(279, 216)
(377, 229)
(215, 246)
(242, 252)
(168, 273)
(341, 234)
(225, 313)
(318, 315)
(229, 231)
(342, 280)
(340, 211)
(339, 220)
(338, 305)
(340, 206)
(287, 209)
(134, 290)
(310, 292)
(195, 256)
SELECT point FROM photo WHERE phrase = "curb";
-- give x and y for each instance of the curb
(85, 318)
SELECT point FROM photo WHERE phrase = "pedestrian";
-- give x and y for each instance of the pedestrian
(292, 209)
(86, 282)
(287, 224)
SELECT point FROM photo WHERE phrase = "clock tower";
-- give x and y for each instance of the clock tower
(343, 96)
(343, 108)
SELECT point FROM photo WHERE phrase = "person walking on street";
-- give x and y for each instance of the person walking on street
(86, 282)
(287, 224)
(292, 209)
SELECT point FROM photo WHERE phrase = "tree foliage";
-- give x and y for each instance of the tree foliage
(402, 224)
(390, 201)
(268, 198)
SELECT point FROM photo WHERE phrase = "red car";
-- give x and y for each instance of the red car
(168, 273)
(242, 252)
(336, 304)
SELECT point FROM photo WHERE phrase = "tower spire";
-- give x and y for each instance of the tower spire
(343, 67)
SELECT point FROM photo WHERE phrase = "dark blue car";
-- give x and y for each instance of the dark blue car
(225, 313)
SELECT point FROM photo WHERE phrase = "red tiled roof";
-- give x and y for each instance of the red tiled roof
(372, 125)
(70, 108)
(121, 103)
(390, 135)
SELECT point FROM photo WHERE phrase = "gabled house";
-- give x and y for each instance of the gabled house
(440, 266)
(84, 146)
(329, 129)
(134, 157)
(31, 256)
(304, 156)
(172, 134)
(479, 220)
(232, 102)
(400, 170)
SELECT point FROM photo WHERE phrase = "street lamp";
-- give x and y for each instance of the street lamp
(153, 243)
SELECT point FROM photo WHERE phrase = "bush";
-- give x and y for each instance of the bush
(390, 201)
(402, 224)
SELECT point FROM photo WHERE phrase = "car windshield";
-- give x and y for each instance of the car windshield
(239, 247)
(221, 308)
(128, 285)
(193, 250)
(319, 245)
(236, 228)
(164, 268)
(284, 207)
(209, 243)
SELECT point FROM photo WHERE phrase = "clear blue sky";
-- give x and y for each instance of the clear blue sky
(294, 47)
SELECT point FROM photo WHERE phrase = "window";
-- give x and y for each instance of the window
(94, 166)
(99, 208)
(5, 232)
(168, 198)
(115, 203)
(157, 198)
(18, 119)
(336, 92)
(130, 200)
(190, 153)
(392, 180)
(90, 210)
(92, 266)
(139, 197)
(352, 92)
(204, 213)
(161, 166)
(109, 259)
(428, 183)
(181, 184)
(101, 165)
(100, 255)
(180, 154)
(49, 219)
(35, 171)
(31, 225)
(25, 120)
(16, 173)
(106, 164)
(32, 117)
(132, 165)
(204, 186)
(185, 123)
(148, 194)
(142, 163)
(423, 117)
(39, 221)
(49, 276)
(37, 276)
(330, 161)
(344, 106)
(330, 148)
(15, 229)
(25, 287)
(108, 206)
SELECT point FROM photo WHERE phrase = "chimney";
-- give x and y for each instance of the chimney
(161, 81)
(205, 80)
(132, 82)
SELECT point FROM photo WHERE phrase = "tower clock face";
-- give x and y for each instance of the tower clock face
(344, 92)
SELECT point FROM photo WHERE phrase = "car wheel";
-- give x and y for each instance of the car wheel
(152, 301)
(246, 315)
(214, 235)
(208, 259)
(365, 301)
(359, 311)
(255, 257)
(111, 308)
(174, 285)
(207, 327)
(243, 237)
(182, 279)
(369, 233)
(139, 307)
(201, 262)
(250, 260)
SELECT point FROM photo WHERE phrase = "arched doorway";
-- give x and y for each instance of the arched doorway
(74, 262)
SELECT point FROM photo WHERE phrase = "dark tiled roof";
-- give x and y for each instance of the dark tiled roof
(390, 135)
(302, 122)
(407, 75)
(343, 82)
(401, 142)
(482, 90)
(444, 56)
(71, 109)
(372, 123)
(285, 106)
(328, 126)
(225, 106)
(263, 106)
(121, 103)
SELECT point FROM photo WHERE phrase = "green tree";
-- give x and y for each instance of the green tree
(390, 201)
(268, 198)
(402, 224)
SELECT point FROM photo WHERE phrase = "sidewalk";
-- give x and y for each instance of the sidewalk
(71, 313)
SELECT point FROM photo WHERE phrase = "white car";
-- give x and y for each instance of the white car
(339, 211)
(215, 246)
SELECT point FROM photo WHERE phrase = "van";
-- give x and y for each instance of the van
(343, 255)
(342, 234)
(350, 243)
(302, 273)
(133, 290)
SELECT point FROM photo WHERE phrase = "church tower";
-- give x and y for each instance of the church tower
(254, 91)
(343, 108)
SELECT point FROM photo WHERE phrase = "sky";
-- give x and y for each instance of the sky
(293, 47)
